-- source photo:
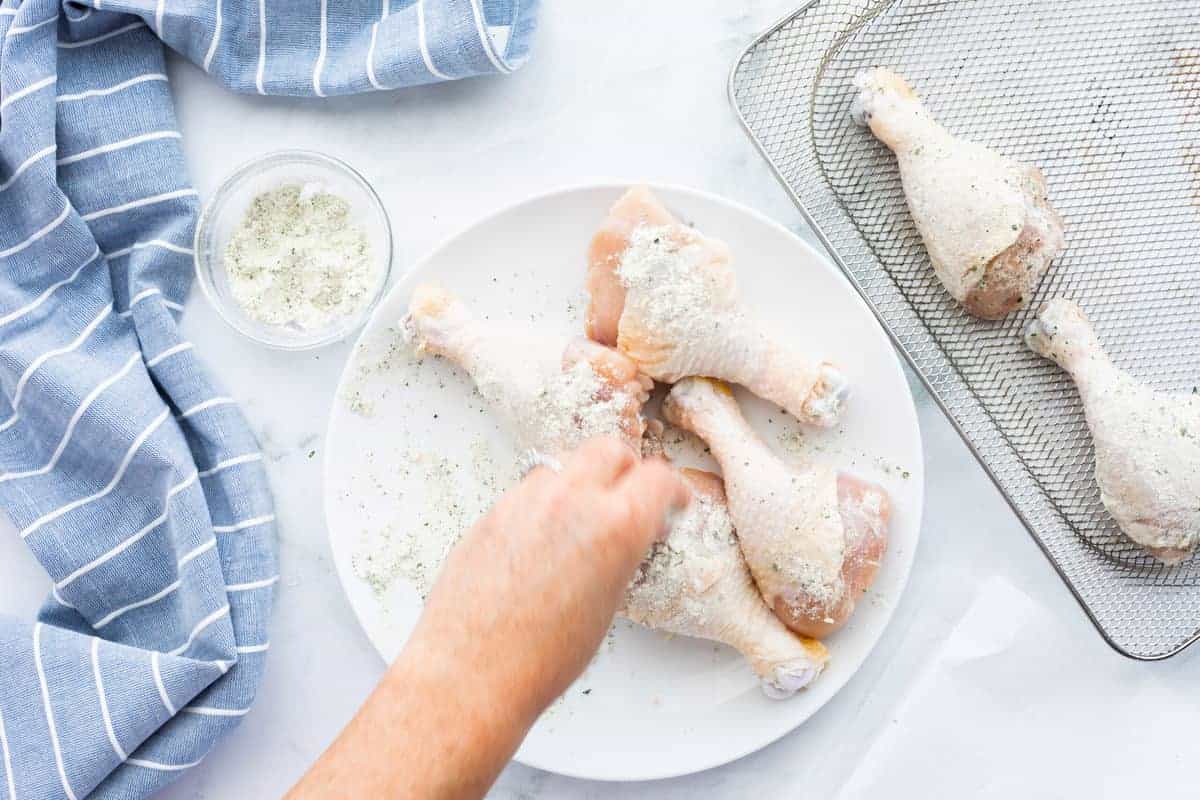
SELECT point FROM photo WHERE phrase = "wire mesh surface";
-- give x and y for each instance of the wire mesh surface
(1104, 96)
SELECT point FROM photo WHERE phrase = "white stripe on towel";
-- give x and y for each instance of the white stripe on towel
(145, 201)
(142, 295)
(383, 14)
(132, 540)
(17, 30)
(212, 47)
(154, 598)
(36, 235)
(200, 626)
(170, 351)
(124, 465)
(79, 412)
(41, 673)
(485, 40)
(58, 598)
(262, 45)
(23, 310)
(149, 76)
(320, 65)
(26, 164)
(28, 90)
(230, 462)
(142, 762)
(158, 17)
(209, 711)
(102, 37)
(371, 53)
(241, 526)
(36, 364)
(156, 668)
(127, 313)
(174, 248)
(12, 791)
(197, 552)
(121, 145)
(245, 587)
(424, 44)
(254, 648)
(207, 404)
(108, 726)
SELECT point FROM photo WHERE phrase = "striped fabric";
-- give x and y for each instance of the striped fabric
(136, 483)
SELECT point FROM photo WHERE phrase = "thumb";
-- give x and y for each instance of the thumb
(651, 493)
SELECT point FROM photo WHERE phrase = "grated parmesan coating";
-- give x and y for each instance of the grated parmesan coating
(677, 297)
(575, 405)
(296, 259)
(683, 316)
(454, 499)
(788, 520)
(669, 590)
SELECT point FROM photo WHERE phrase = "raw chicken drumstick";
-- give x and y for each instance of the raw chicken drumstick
(984, 218)
(553, 392)
(696, 583)
(813, 538)
(1147, 442)
(666, 296)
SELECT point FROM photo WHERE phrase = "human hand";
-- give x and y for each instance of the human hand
(526, 597)
(520, 607)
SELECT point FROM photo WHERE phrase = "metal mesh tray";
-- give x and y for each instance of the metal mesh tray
(1103, 95)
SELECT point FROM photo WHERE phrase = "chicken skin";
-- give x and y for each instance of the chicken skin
(985, 220)
(666, 297)
(813, 538)
(553, 392)
(696, 583)
(1147, 442)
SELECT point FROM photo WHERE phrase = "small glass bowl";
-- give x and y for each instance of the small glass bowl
(225, 210)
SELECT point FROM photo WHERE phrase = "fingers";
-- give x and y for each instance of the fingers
(601, 462)
(704, 484)
(648, 494)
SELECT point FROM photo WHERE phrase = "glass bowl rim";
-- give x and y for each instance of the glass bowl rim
(204, 265)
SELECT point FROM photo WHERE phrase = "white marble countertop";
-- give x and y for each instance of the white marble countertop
(628, 90)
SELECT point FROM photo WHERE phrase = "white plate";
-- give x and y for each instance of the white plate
(649, 706)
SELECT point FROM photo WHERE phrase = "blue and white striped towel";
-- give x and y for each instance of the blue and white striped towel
(135, 482)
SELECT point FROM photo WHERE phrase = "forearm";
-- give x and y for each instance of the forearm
(433, 728)
(520, 606)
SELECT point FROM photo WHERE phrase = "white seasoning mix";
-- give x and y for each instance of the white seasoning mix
(297, 259)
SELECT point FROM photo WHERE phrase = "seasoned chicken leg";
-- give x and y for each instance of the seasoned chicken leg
(666, 296)
(553, 392)
(695, 583)
(813, 538)
(984, 218)
(1147, 442)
